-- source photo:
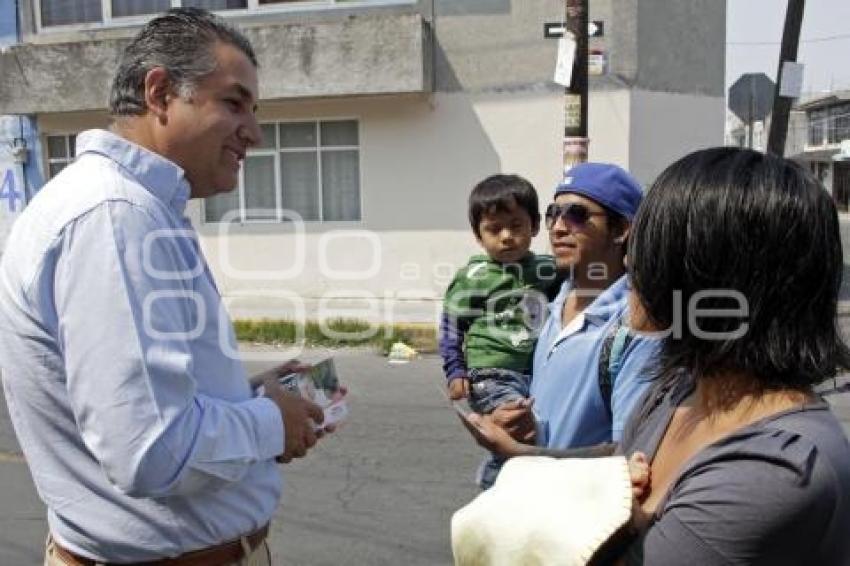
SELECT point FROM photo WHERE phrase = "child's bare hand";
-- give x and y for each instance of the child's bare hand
(639, 474)
(459, 388)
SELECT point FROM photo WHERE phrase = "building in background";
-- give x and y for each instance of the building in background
(379, 116)
(826, 128)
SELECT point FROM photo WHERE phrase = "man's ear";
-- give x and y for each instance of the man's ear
(623, 229)
(158, 92)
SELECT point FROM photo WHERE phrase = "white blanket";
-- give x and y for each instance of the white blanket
(544, 511)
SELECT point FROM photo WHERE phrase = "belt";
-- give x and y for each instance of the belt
(219, 555)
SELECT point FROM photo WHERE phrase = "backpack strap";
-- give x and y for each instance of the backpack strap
(614, 346)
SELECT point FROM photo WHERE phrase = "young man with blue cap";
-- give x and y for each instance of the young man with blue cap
(578, 401)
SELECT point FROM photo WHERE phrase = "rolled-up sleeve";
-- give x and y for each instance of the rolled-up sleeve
(125, 331)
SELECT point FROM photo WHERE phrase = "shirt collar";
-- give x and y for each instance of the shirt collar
(161, 177)
(603, 307)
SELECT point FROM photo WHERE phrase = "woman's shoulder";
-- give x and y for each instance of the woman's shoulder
(789, 473)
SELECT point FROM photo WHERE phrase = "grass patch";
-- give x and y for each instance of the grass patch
(338, 332)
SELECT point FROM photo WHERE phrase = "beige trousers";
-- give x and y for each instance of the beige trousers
(261, 556)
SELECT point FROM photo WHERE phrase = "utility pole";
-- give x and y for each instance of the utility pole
(788, 53)
(575, 96)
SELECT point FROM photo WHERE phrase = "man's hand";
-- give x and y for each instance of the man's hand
(299, 418)
(492, 437)
(459, 388)
(516, 418)
(278, 371)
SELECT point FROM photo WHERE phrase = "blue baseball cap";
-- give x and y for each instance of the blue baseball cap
(607, 184)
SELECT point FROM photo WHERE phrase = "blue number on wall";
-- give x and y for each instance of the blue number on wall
(7, 190)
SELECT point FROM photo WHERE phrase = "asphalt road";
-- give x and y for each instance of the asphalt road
(380, 491)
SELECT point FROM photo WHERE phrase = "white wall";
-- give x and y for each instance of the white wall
(420, 157)
(668, 126)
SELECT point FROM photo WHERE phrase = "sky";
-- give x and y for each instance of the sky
(754, 31)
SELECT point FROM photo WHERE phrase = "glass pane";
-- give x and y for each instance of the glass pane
(56, 147)
(299, 177)
(339, 133)
(269, 136)
(298, 134)
(341, 185)
(72, 141)
(260, 188)
(122, 8)
(217, 206)
(60, 12)
(54, 168)
(216, 4)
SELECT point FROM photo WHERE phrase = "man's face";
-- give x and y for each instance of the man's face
(209, 133)
(578, 246)
(506, 235)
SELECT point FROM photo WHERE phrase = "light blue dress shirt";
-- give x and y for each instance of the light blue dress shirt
(568, 404)
(143, 437)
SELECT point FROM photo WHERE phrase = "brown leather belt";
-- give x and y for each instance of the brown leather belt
(220, 555)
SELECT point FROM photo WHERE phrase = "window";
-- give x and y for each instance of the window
(839, 123)
(311, 168)
(817, 127)
(76, 12)
(60, 152)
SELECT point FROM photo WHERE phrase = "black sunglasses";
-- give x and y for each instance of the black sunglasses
(574, 213)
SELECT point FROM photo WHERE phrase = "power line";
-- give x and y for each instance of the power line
(811, 40)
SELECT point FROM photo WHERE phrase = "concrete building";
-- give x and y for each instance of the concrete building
(825, 136)
(738, 134)
(379, 117)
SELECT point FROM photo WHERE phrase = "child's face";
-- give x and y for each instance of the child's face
(506, 235)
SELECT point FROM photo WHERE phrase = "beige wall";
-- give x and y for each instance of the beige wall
(420, 156)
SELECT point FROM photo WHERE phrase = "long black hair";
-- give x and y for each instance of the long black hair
(755, 237)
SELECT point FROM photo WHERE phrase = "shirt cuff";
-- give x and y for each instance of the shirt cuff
(456, 374)
(270, 427)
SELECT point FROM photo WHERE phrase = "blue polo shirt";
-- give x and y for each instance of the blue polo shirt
(568, 405)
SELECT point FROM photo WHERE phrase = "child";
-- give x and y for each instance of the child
(494, 307)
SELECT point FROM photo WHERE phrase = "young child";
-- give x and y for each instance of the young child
(495, 306)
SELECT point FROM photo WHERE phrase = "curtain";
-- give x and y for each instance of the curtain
(300, 180)
(260, 188)
(341, 185)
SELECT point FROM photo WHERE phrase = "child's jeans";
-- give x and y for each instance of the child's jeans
(488, 389)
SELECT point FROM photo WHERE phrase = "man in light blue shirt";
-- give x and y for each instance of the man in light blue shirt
(144, 438)
(588, 226)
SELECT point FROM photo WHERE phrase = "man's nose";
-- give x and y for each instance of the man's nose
(250, 132)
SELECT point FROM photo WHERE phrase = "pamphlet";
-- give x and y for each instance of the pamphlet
(320, 385)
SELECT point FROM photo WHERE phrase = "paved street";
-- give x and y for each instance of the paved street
(379, 492)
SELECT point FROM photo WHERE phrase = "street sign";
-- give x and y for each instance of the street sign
(596, 62)
(792, 79)
(572, 111)
(751, 97)
(595, 28)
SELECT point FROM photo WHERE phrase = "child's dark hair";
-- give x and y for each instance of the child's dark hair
(500, 193)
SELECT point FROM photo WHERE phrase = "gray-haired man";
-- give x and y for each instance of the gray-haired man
(144, 438)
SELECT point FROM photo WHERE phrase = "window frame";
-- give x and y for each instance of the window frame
(252, 8)
(318, 149)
